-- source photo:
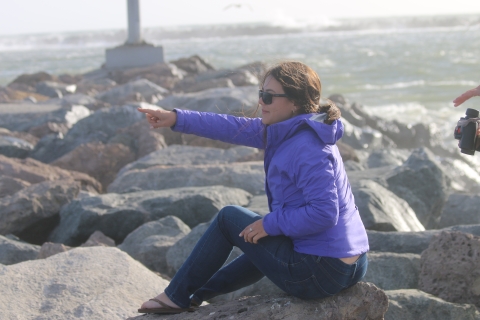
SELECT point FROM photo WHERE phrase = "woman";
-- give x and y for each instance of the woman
(312, 244)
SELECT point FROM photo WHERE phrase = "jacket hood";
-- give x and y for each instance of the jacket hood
(328, 133)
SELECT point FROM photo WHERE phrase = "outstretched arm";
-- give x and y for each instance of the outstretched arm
(466, 95)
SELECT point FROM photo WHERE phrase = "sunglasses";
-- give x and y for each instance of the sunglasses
(267, 97)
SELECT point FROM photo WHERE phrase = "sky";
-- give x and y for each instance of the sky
(41, 16)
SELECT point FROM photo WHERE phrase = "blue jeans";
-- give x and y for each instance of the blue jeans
(305, 276)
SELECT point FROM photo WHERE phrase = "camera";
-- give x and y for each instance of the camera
(466, 132)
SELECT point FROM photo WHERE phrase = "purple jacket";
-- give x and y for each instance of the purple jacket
(308, 192)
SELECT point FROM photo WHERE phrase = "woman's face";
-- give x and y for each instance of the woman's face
(281, 108)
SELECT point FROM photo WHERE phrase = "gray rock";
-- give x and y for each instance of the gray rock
(387, 157)
(9, 185)
(117, 215)
(176, 155)
(54, 89)
(118, 94)
(449, 268)
(361, 138)
(84, 283)
(460, 209)
(14, 147)
(219, 100)
(248, 176)
(31, 212)
(423, 183)
(150, 242)
(98, 239)
(259, 204)
(382, 210)
(14, 251)
(392, 271)
(362, 301)
(100, 126)
(412, 242)
(49, 249)
(190, 85)
(264, 287)
(419, 305)
(65, 115)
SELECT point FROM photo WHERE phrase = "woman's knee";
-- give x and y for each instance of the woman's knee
(237, 214)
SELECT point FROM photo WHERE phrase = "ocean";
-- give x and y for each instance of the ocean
(404, 68)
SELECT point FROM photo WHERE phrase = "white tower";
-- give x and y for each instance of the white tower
(135, 52)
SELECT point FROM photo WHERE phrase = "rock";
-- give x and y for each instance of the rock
(49, 249)
(423, 183)
(14, 147)
(387, 157)
(234, 101)
(117, 215)
(460, 209)
(98, 160)
(412, 242)
(150, 242)
(392, 271)
(98, 239)
(145, 88)
(362, 301)
(14, 251)
(347, 152)
(100, 126)
(31, 80)
(248, 176)
(9, 185)
(162, 74)
(191, 85)
(382, 210)
(361, 138)
(175, 155)
(449, 268)
(32, 212)
(140, 138)
(19, 135)
(464, 176)
(193, 64)
(63, 116)
(259, 204)
(54, 89)
(8, 95)
(49, 128)
(418, 305)
(94, 283)
(33, 171)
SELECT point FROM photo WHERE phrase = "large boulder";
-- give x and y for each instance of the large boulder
(361, 138)
(150, 242)
(14, 251)
(31, 213)
(392, 271)
(117, 215)
(248, 176)
(460, 209)
(236, 101)
(423, 183)
(362, 301)
(175, 155)
(382, 210)
(121, 94)
(193, 64)
(449, 268)
(54, 89)
(100, 126)
(387, 157)
(9, 185)
(31, 171)
(98, 160)
(419, 305)
(15, 147)
(84, 283)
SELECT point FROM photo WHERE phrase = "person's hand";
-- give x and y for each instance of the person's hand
(466, 95)
(252, 233)
(159, 118)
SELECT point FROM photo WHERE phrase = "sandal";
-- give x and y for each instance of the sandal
(166, 309)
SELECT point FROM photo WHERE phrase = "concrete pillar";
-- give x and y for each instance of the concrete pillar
(134, 32)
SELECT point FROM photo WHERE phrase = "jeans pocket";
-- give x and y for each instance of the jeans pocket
(306, 289)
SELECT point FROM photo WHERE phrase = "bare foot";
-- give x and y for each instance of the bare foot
(162, 297)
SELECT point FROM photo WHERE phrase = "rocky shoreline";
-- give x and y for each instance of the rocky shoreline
(97, 211)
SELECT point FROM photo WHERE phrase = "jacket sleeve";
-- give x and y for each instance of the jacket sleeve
(314, 174)
(237, 130)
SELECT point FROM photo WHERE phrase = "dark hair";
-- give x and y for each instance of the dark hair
(303, 87)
